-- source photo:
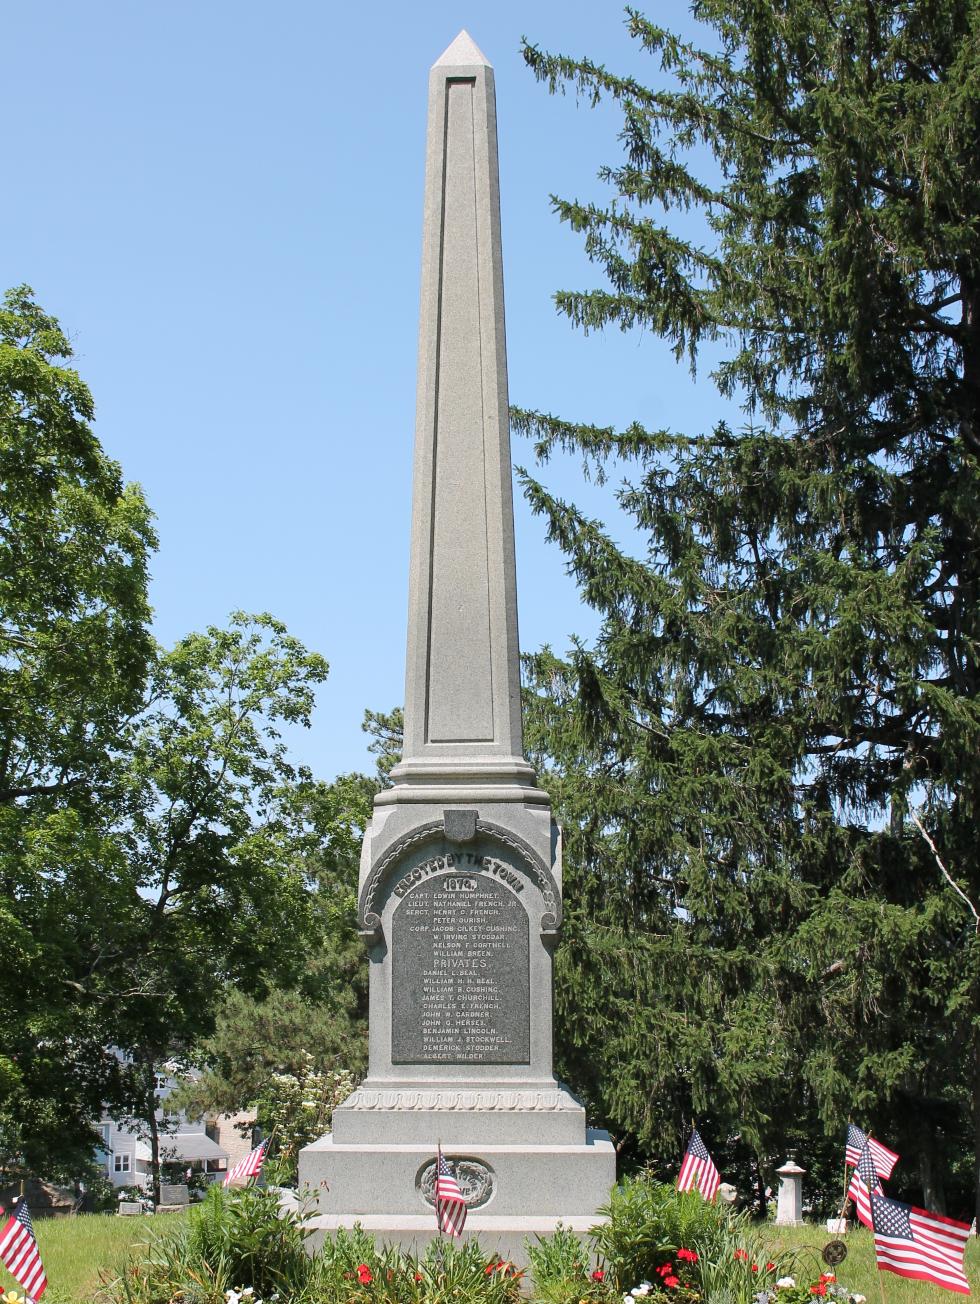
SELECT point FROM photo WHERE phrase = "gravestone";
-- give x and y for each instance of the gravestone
(460, 888)
(174, 1194)
(789, 1202)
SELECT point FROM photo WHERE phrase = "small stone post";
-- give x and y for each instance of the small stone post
(789, 1204)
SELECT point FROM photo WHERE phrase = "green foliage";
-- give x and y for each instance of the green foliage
(387, 731)
(260, 1242)
(649, 1221)
(74, 547)
(782, 697)
(155, 841)
(298, 1108)
(291, 1054)
(244, 1246)
(244, 1238)
(738, 1267)
(75, 543)
(563, 1270)
(350, 1270)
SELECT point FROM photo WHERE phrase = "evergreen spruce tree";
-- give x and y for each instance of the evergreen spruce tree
(768, 763)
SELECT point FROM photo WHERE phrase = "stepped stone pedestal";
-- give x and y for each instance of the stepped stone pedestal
(460, 892)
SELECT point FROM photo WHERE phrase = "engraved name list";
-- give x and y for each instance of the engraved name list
(460, 976)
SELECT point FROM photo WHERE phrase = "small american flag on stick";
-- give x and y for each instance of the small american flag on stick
(864, 1184)
(248, 1167)
(697, 1169)
(884, 1159)
(450, 1201)
(19, 1252)
(914, 1243)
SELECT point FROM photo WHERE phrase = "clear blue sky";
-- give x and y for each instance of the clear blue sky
(222, 204)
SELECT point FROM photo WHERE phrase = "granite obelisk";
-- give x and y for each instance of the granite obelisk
(460, 890)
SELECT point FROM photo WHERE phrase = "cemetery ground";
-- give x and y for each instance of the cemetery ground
(89, 1256)
(79, 1251)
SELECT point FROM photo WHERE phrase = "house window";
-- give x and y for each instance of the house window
(120, 1163)
(104, 1133)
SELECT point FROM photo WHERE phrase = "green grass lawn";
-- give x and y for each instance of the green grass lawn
(858, 1272)
(79, 1252)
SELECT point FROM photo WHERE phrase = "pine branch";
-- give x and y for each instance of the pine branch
(947, 875)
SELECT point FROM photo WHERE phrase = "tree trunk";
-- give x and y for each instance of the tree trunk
(154, 1149)
(760, 1188)
(150, 1111)
(930, 1174)
(976, 1118)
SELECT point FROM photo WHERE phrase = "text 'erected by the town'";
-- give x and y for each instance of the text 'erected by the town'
(460, 978)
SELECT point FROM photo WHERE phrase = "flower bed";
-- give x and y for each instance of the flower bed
(657, 1246)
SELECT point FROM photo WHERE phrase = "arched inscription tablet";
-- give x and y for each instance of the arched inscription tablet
(460, 973)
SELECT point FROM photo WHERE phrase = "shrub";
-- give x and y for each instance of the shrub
(564, 1271)
(350, 1270)
(650, 1221)
(239, 1241)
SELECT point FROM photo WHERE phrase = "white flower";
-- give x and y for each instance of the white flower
(647, 1284)
(785, 1281)
(859, 1299)
(233, 1296)
(639, 1291)
(627, 1299)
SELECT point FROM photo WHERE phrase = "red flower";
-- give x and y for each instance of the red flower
(819, 1289)
(755, 1267)
(742, 1254)
(689, 1256)
(598, 1275)
(491, 1267)
(664, 1269)
(828, 1276)
(418, 1276)
(364, 1274)
(770, 1267)
(671, 1281)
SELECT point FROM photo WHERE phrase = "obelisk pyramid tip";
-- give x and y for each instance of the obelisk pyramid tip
(464, 52)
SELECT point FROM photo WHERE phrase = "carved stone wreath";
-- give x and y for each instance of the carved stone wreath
(369, 920)
(475, 1180)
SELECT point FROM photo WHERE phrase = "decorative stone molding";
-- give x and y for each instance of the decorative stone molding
(548, 1101)
(369, 918)
(474, 1178)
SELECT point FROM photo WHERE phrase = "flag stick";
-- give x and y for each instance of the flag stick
(438, 1214)
(843, 1204)
(268, 1148)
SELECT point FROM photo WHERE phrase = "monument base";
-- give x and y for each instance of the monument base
(504, 1237)
(514, 1191)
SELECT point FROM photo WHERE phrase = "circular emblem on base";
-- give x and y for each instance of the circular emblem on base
(834, 1252)
(475, 1180)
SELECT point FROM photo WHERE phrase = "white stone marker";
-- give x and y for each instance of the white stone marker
(789, 1201)
(460, 887)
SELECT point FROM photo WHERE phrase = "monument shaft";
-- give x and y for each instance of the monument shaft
(460, 889)
(462, 689)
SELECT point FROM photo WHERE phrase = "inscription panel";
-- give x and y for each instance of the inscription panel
(460, 971)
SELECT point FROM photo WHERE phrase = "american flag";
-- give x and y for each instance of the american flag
(19, 1252)
(884, 1159)
(450, 1201)
(697, 1169)
(248, 1167)
(914, 1243)
(864, 1184)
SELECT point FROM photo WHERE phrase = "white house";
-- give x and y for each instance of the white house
(194, 1144)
